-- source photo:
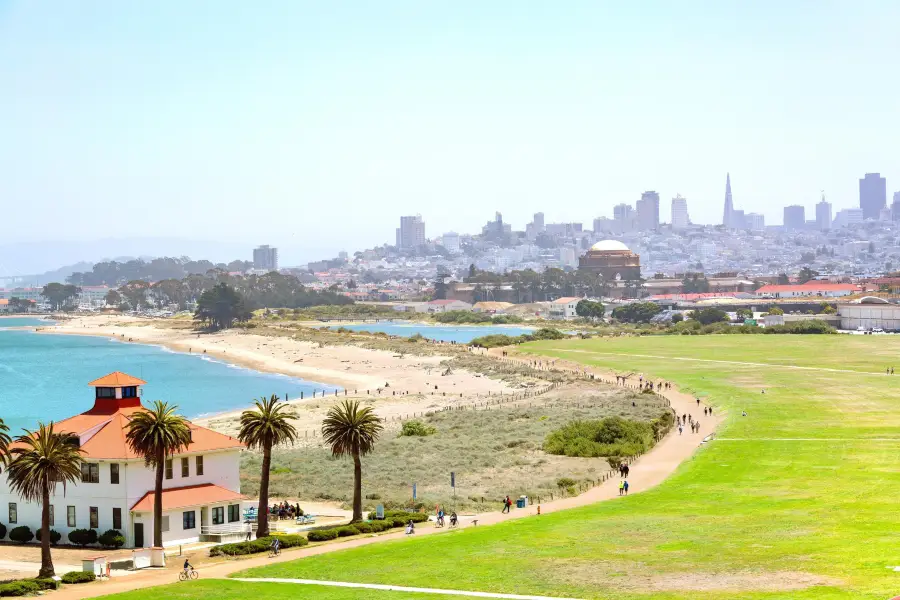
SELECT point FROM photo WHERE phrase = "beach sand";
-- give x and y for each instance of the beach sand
(374, 375)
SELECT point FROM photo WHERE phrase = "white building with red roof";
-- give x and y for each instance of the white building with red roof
(824, 289)
(201, 486)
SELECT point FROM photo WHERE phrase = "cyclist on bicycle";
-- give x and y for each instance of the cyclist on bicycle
(440, 518)
(276, 546)
(454, 520)
(188, 567)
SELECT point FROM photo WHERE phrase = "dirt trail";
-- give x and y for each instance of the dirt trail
(647, 471)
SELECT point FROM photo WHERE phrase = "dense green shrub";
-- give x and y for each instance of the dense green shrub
(78, 577)
(111, 538)
(496, 341)
(612, 436)
(707, 316)
(347, 531)
(2, 531)
(55, 536)
(22, 587)
(257, 546)
(83, 537)
(46, 584)
(405, 516)
(416, 428)
(21, 534)
(636, 312)
(322, 535)
(363, 527)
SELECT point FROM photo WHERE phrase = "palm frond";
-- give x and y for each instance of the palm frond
(351, 429)
(41, 459)
(158, 432)
(268, 424)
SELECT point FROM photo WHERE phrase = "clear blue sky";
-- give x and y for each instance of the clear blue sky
(315, 125)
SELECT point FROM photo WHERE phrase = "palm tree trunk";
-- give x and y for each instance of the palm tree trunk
(46, 560)
(157, 502)
(262, 514)
(357, 488)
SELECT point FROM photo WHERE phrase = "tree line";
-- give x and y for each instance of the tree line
(113, 273)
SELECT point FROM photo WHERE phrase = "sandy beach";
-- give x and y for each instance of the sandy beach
(396, 384)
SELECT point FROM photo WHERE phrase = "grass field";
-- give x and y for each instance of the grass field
(237, 590)
(796, 500)
(493, 453)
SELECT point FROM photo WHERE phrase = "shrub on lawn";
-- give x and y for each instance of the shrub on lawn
(111, 538)
(363, 527)
(257, 546)
(322, 535)
(83, 537)
(78, 576)
(55, 536)
(403, 515)
(612, 436)
(23, 587)
(21, 534)
(46, 584)
(2, 531)
(347, 531)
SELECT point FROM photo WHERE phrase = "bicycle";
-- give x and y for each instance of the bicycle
(185, 575)
(273, 552)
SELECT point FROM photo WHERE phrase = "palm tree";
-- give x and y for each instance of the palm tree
(352, 430)
(264, 427)
(156, 434)
(40, 460)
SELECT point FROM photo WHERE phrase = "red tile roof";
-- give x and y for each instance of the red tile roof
(116, 379)
(191, 495)
(809, 286)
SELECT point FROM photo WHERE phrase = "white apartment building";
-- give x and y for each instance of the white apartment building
(93, 296)
(564, 308)
(201, 486)
(680, 219)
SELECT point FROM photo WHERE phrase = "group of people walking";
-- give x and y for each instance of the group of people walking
(688, 420)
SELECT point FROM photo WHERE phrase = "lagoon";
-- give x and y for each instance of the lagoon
(461, 334)
(44, 377)
(24, 322)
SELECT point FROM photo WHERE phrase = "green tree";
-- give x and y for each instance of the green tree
(352, 430)
(20, 305)
(472, 270)
(59, 295)
(590, 309)
(220, 307)
(157, 434)
(40, 460)
(744, 313)
(707, 316)
(783, 279)
(113, 298)
(264, 427)
(775, 311)
(636, 312)
(806, 274)
(135, 293)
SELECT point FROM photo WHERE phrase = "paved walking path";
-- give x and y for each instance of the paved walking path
(647, 471)
(400, 588)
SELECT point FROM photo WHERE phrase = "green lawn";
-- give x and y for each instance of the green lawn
(756, 514)
(222, 589)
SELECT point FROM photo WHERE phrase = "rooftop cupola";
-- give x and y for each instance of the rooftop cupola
(116, 391)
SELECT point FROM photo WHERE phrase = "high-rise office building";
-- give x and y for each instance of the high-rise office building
(622, 212)
(872, 195)
(823, 215)
(794, 217)
(728, 216)
(648, 211)
(538, 221)
(450, 241)
(265, 258)
(895, 207)
(411, 233)
(847, 217)
(680, 219)
(755, 221)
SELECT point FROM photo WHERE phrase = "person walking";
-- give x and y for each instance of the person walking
(625, 486)
(507, 504)
(625, 470)
(622, 487)
(680, 429)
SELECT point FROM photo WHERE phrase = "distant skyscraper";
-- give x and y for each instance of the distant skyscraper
(538, 221)
(794, 217)
(680, 219)
(450, 241)
(755, 221)
(648, 211)
(622, 212)
(848, 216)
(823, 215)
(728, 217)
(411, 232)
(265, 258)
(895, 207)
(872, 195)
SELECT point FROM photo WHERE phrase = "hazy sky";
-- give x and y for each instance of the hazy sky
(315, 125)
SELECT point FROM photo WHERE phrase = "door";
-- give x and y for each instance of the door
(138, 535)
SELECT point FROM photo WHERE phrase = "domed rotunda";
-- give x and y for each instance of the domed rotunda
(612, 260)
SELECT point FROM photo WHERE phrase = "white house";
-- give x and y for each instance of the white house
(201, 486)
(564, 308)
(439, 306)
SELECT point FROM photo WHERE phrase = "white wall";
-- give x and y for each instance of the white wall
(135, 480)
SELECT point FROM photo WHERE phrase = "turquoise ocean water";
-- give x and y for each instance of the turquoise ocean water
(44, 377)
(444, 333)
